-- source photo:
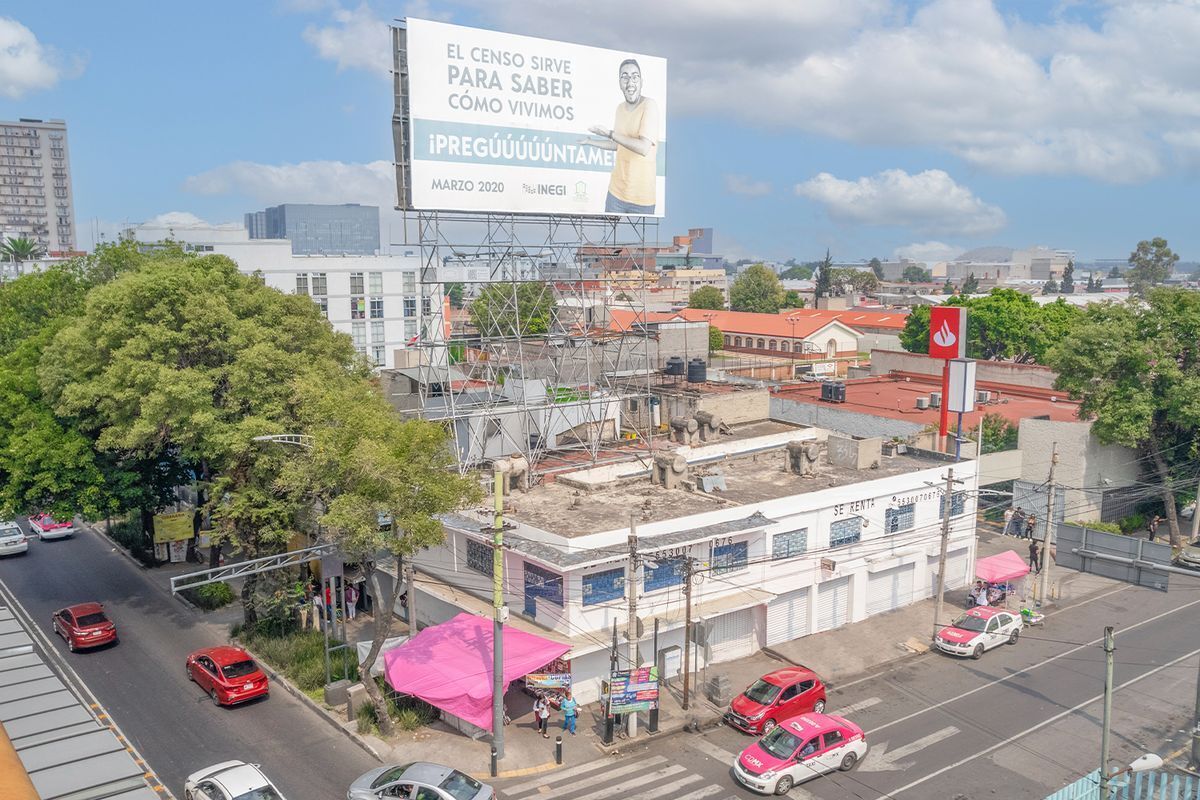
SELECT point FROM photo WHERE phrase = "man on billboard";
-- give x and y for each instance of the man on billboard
(634, 137)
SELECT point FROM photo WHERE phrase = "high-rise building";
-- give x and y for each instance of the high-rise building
(319, 230)
(36, 201)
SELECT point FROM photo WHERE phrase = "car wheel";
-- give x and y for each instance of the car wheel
(819, 707)
(977, 653)
(768, 726)
(785, 785)
(188, 669)
(848, 761)
(1012, 637)
(216, 700)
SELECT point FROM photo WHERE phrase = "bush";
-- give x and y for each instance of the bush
(1134, 522)
(1097, 525)
(128, 533)
(300, 656)
(367, 719)
(211, 596)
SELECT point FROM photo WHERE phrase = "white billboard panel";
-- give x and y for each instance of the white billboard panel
(510, 123)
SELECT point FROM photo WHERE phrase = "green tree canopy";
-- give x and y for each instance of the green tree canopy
(876, 267)
(998, 433)
(1135, 368)
(1050, 287)
(756, 289)
(797, 272)
(948, 287)
(454, 291)
(1068, 279)
(1150, 264)
(707, 297)
(792, 299)
(970, 285)
(824, 273)
(716, 339)
(916, 274)
(513, 309)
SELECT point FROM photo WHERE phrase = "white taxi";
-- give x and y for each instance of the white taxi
(980, 629)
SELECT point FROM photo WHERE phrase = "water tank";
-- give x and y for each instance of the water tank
(674, 366)
(826, 391)
(697, 371)
(839, 393)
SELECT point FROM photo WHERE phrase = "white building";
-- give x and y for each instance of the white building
(36, 197)
(376, 300)
(781, 555)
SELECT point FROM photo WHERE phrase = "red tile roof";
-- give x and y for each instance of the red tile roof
(855, 318)
(744, 322)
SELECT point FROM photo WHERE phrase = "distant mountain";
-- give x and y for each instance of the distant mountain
(994, 254)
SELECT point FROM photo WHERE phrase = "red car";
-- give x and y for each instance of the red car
(228, 674)
(776, 696)
(84, 626)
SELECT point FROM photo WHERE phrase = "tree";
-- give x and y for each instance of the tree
(19, 249)
(1150, 264)
(792, 299)
(716, 339)
(948, 287)
(998, 433)
(1050, 287)
(1135, 368)
(454, 291)
(513, 309)
(384, 483)
(1115, 272)
(876, 267)
(756, 289)
(824, 275)
(916, 274)
(1091, 284)
(970, 285)
(797, 272)
(708, 297)
(1068, 279)
(861, 281)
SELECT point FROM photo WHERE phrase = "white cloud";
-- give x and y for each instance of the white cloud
(357, 39)
(743, 185)
(26, 65)
(930, 251)
(307, 182)
(181, 219)
(928, 201)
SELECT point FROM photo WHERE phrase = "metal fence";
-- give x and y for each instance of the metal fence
(1160, 785)
(1078, 548)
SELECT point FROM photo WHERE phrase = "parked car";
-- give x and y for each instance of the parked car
(46, 527)
(420, 780)
(1189, 556)
(798, 750)
(12, 539)
(84, 626)
(230, 780)
(774, 697)
(228, 674)
(980, 629)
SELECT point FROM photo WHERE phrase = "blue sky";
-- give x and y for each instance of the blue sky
(872, 128)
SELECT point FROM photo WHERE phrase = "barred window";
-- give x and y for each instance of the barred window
(320, 284)
(729, 557)
(356, 283)
(301, 283)
(376, 308)
(543, 584)
(900, 518)
(845, 531)
(601, 587)
(479, 557)
(958, 503)
(789, 544)
(667, 572)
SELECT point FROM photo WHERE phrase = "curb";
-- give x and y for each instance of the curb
(308, 701)
(520, 773)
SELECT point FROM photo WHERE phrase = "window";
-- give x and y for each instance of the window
(410, 329)
(760, 344)
(376, 308)
(601, 587)
(358, 332)
(426, 306)
(480, 557)
(845, 531)
(543, 584)
(833, 739)
(377, 357)
(319, 283)
(783, 347)
(410, 306)
(728, 341)
(737, 341)
(958, 503)
(323, 304)
(358, 308)
(376, 331)
(667, 572)
(356, 283)
(301, 283)
(772, 345)
(729, 557)
(789, 544)
(410, 282)
(376, 284)
(900, 519)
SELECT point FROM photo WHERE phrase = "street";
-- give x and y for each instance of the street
(142, 684)
(1019, 723)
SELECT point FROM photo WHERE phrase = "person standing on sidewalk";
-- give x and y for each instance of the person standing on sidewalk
(1019, 523)
(351, 600)
(541, 715)
(1030, 525)
(1035, 562)
(1154, 526)
(570, 709)
(1008, 518)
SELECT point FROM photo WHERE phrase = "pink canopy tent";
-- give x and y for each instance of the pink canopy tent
(1002, 567)
(450, 665)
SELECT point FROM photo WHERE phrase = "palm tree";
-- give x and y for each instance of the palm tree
(20, 249)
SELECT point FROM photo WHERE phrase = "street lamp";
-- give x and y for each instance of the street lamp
(1142, 763)
(792, 319)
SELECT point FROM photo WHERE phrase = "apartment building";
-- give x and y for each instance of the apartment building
(36, 200)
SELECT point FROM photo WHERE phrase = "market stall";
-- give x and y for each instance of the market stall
(998, 575)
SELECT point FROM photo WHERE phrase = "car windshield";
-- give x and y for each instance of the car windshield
(460, 786)
(239, 669)
(393, 774)
(762, 692)
(10, 532)
(970, 623)
(780, 743)
(91, 619)
(261, 793)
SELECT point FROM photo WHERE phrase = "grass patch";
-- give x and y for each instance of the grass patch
(300, 656)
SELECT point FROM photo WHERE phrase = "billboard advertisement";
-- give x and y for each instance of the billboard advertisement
(948, 332)
(507, 123)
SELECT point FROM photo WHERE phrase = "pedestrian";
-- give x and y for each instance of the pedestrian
(1008, 518)
(329, 601)
(317, 617)
(1035, 563)
(1030, 525)
(1154, 526)
(569, 708)
(304, 606)
(1019, 523)
(541, 715)
(351, 600)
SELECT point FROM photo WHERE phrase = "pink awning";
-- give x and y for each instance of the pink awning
(1001, 567)
(450, 665)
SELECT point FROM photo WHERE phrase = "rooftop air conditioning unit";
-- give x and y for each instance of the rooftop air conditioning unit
(923, 403)
(935, 399)
(983, 397)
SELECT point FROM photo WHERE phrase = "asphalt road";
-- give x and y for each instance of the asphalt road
(141, 680)
(1020, 723)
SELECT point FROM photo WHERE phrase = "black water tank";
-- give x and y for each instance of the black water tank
(697, 371)
(826, 391)
(674, 365)
(839, 393)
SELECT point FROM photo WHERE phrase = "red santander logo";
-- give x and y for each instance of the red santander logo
(948, 332)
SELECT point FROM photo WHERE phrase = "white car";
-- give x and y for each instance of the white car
(980, 629)
(46, 527)
(12, 539)
(230, 780)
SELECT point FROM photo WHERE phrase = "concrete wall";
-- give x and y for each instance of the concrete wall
(1031, 375)
(832, 417)
(1086, 466)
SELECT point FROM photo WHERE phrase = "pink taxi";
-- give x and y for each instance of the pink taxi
(798, 750)
(980, 629)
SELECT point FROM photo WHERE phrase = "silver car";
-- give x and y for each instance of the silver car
(418, 781)
(1189, 556)
(12, 539)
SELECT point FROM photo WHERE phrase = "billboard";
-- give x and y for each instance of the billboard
(507, 123)
(948, 332)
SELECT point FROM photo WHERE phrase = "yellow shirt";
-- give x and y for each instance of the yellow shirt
(633, 176)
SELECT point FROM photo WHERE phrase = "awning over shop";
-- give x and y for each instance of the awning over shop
(450, 665)
(1003, 567)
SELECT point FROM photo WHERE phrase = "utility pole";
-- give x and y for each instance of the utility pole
(687, 628)
(1108, 690)
(498, 625)
(1043, 597)
(1196, 516)
(941, 581)
(631, 630)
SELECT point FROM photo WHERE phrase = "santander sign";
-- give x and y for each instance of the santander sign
(948, 332)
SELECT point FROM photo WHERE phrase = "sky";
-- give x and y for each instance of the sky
(871, 128)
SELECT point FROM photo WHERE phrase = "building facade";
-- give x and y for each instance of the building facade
(36, 197)
(313, 229)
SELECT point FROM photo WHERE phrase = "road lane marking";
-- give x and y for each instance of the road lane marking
(635, 783)
(661, 792)
(861, 705)
(712, 750)
(707, 791)
(890, 795)
(884, 760)
(1026, 670)
(582, 769)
